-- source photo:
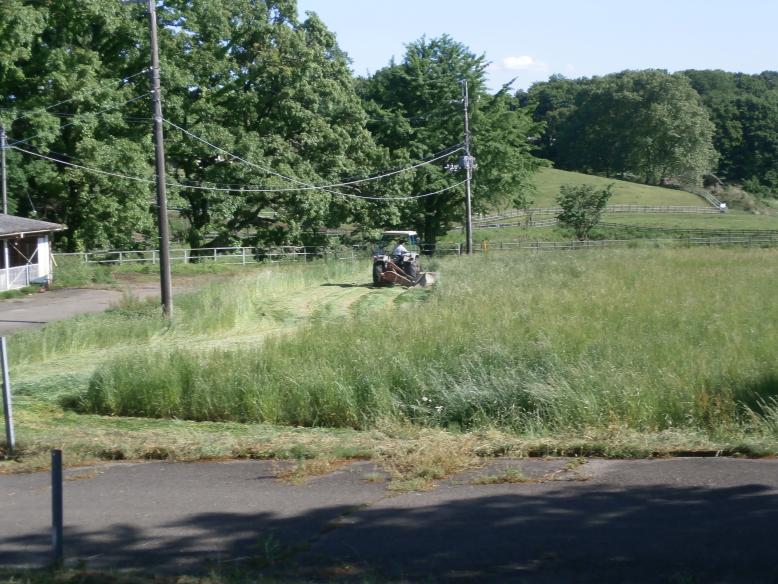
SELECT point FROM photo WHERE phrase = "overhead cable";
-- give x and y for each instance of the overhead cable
(46, 109)
(233, 190)
(88, 114)
(442, 154)
(86, 168)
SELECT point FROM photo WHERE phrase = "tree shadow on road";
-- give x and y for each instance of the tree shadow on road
(519, 533)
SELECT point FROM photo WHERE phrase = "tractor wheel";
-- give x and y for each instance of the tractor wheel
(378, 271)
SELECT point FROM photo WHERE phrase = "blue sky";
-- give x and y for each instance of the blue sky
(577, 38)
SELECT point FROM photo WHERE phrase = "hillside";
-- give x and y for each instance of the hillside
(549, 180)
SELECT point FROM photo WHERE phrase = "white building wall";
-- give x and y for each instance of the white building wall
(44, 259)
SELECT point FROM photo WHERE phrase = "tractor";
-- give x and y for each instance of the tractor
(403, 268)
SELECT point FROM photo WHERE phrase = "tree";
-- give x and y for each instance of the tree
(254, 80)
(70, 62)
(744, 109)
(582, 207)
(245, 75)
(644, 123)
(416, 111)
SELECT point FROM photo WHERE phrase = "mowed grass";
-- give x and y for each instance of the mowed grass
(586, 343)
(221, 305)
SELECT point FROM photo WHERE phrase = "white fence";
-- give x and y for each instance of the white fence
(252, 255)
(225, 255)
(19, 277)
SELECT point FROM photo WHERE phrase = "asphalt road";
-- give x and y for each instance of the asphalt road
(36, 310)
(677, 520)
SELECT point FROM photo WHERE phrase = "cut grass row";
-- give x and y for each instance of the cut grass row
(219, 306)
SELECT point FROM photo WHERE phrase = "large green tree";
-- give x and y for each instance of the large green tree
(247, 76)
(645, 123)
(61, 63)
(744, 109)
(252, 79)
(416, 111)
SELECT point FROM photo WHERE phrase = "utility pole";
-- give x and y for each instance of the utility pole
(4, 261)
(159, 149)
(2, 164)
(468, 164)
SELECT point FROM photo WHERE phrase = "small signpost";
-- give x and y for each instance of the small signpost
(56, 508)
(7, 410)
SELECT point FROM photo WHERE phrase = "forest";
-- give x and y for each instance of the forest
(270, 137)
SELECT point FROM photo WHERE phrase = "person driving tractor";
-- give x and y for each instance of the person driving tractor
(400, 250)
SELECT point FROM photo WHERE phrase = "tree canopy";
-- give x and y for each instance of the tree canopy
(263, 116)
(645, 123)
(416, 109)
(744, 109)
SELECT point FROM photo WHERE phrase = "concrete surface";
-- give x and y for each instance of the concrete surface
(677, 520)
(35, 310)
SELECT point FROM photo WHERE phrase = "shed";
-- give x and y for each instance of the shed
(25, 255)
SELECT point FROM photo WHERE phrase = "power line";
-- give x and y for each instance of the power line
(64, 101)
(90, 114)
(437, 156)
(233, 190)
(81, 167)
(236, 157)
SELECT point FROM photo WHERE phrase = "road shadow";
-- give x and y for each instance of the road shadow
(520, 533)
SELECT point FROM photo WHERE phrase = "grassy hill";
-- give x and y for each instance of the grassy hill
(549, 180)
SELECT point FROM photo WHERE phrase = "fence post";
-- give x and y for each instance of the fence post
(153, 256)
(56, 507)
(8, 412)
(243, 255)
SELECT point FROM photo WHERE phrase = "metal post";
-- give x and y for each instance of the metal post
(159, 149)
(56, 507)
(7, 265)
(469, 171)
(7, 409)
(2, 169)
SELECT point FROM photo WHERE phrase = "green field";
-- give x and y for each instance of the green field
(611, 352)
(548, 182)
(729, 220)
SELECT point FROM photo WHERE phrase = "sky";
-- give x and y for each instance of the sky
(531, 40)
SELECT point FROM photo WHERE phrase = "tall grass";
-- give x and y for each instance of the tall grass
(220, 305)
(650, 340)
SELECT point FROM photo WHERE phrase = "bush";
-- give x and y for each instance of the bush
(582, 206)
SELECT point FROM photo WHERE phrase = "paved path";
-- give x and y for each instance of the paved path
(679, 520)
(36, 310)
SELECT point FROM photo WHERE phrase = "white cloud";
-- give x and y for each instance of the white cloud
(521, 63)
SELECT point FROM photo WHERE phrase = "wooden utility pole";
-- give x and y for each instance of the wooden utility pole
(4, 260)
(166, 288)
(2, 162)
(468, 163)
